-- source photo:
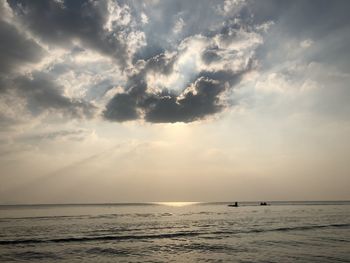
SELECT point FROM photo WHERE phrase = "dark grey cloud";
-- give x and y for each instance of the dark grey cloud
(38, 89)
(121, 107)
(42, 94)
(201, 97)
(211, 55)
(16, 49)
(62, 22)
(82, 24)
(125, 106)
(198, 100)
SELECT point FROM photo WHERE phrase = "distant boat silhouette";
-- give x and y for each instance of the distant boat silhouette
(234, 205)
(263, 203)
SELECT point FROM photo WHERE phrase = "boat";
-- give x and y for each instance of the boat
(264, 203)
(233, 205)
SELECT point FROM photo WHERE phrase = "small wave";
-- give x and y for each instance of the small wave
(34, 255)
(284, 229)
(166, 214)
(108, 251)
(54, 217)
(99, 238)
(200, 213)
(5, 219)
(166, 235)
(296, 228)
(133, 229)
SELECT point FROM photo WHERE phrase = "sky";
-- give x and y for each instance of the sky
(174, 100)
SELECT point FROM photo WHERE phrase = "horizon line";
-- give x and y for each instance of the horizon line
(160, 202)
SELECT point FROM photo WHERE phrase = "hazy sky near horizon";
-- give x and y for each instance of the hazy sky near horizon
(174, 100)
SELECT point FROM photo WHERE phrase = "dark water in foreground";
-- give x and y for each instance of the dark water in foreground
(206, 232)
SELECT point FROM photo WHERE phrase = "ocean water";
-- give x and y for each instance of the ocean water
(203, 232)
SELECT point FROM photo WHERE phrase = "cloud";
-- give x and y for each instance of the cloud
(196, 102)
(306, 43)
(35, 94)
(16, 49)
(121, 107)
(160, 61)
(179, 25)
(211, 55)
(11, 116)
(104, 26)
(187, 74)
(189, 83)
(42, 94)
(60, 135)
(231, 7)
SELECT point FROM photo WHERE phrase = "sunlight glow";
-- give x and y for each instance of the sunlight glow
(177, 204)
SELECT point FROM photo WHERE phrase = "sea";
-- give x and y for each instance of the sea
(176, 232)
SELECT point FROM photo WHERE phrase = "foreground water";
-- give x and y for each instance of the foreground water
(204, 232)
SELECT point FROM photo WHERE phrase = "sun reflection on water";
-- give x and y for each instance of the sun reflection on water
(177, 204)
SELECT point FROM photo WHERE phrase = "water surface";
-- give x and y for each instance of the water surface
(154, 232)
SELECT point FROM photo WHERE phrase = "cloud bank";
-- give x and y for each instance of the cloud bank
(124, 74)
(158, 61)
